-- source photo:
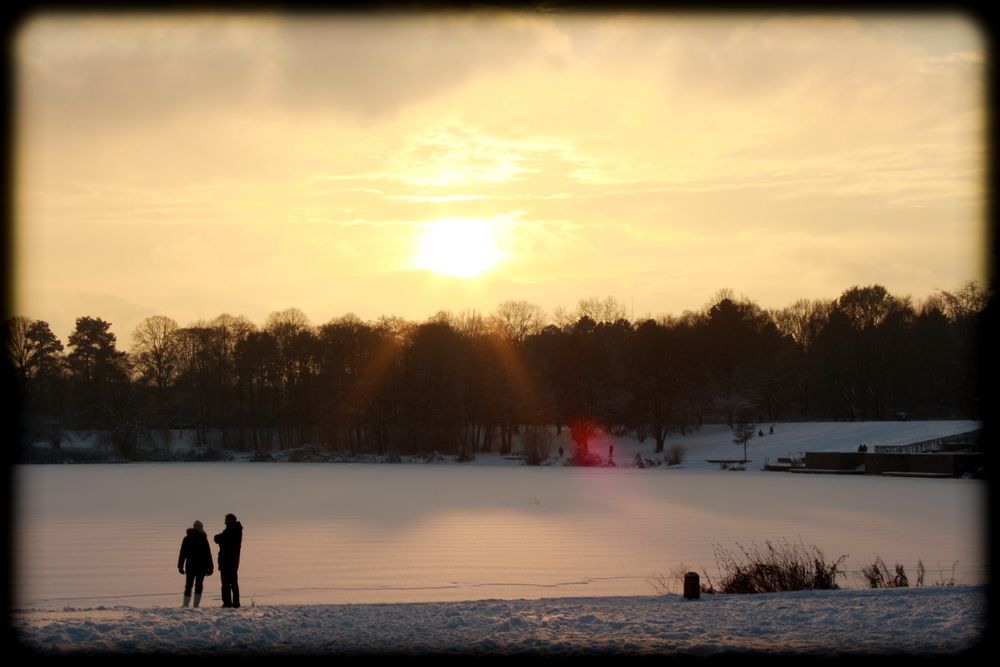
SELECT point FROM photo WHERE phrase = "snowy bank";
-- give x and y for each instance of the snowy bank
(937, 620)
(697, 449)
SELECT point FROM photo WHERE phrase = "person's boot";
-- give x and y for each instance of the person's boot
(197, 599)
(187, 601)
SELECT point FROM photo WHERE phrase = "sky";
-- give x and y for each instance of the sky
(194, 164)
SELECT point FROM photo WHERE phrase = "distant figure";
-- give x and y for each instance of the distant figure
(862, 447)
(195, 561)
(772, 429)
(760, 433)
(611, 451)
(560, 452)
(229, 541)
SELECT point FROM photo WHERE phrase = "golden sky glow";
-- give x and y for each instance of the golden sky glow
(460, 247)
(195, 164)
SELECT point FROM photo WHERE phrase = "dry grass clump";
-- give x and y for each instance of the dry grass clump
(774, 567)
(878, 575)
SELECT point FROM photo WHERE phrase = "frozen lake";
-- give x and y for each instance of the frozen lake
(361, 533)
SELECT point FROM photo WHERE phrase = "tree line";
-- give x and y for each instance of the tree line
(464, 383)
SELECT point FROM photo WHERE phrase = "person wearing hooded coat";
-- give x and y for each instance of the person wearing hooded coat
(194, 561)
(229, 541)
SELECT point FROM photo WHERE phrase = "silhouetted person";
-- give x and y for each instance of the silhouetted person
(229, 541)
(772, 429)
(195, 561)
(560, 452)
(611, 451)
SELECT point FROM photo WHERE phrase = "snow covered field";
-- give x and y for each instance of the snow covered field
(499, 556)
(913, 621)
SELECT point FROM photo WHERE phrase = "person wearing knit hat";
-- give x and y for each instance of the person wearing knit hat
(195, 562)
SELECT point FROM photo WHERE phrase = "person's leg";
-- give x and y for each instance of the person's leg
(236, 589)
(199, 582)
(227, 600)
(188, 581)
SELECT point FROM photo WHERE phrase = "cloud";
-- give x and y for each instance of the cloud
(302, 153)
(100, 72)
(373, 66)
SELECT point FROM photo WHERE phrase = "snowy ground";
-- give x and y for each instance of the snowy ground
(913, 621)
(493, 556)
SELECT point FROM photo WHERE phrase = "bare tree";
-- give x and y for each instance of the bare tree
(286, 323)
(537, 441)
(156, 355)
(743, 431)
(970, 299)
(866, 307)
(298, 364)
(605, 310)
(17, 345)
(471, 323)
(155, 349)
(802, 321)
(563, 318)
(516, 320)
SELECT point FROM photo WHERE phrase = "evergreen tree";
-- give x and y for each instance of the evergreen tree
(98, 371)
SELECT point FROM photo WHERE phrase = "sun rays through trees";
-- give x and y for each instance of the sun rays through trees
(461, 384)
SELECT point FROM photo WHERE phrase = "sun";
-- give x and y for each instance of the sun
(459, 247)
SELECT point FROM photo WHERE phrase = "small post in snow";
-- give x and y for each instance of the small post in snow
(692, 588)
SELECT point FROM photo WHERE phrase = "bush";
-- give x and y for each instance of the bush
(308, 454)
(66, 455)
(639, 462)
(202, 454)
(123, 439)
(776, 567)
(676, 454)
(152, 456)
(877, 575)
